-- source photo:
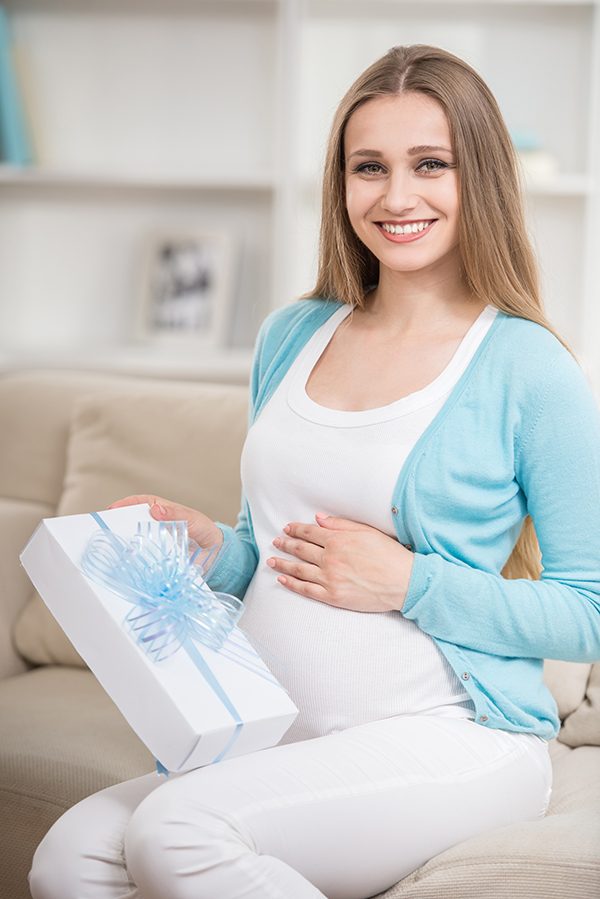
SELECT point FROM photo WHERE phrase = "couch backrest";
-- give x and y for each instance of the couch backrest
(76, 443)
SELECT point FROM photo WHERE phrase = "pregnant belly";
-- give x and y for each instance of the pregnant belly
(344, 668)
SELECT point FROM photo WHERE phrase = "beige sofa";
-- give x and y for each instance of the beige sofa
(73, 443)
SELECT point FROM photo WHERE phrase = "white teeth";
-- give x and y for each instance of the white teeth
(412, 228)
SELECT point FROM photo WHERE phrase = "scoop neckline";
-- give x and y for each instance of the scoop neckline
(440, 387)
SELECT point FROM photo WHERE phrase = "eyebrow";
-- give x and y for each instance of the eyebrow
(424, 148)
(413, 151)
(373, 153)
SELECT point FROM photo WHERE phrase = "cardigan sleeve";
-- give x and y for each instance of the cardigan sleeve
(232, 570)
(557, 465)
(236, 562)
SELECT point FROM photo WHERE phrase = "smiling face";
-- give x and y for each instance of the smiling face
(401, 183)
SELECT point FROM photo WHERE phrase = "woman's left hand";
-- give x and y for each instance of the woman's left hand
(345, 564)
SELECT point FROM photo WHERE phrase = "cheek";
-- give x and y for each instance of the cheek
(351, 201)
(360, 197)
(451, 196)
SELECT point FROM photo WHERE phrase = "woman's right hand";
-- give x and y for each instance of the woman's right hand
(200, 528)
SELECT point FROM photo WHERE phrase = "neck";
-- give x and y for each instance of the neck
(414, 302)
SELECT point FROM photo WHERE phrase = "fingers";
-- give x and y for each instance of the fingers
(304, 588)
(200, 528)
(135, 501)
(301, 571)
(310, 533)
(301, 549)
(160, 509)
(163, 510)
(339, 524)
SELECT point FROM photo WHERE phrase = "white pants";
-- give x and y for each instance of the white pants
(343, 816)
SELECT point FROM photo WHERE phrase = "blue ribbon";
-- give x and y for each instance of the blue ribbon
(159, 573)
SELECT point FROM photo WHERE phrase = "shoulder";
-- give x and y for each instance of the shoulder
(303, 315)
(281, 337)
(540, 378)
(527, 339)
(289, 328)
(529, 356)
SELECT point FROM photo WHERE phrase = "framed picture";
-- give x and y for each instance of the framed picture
(185, 290)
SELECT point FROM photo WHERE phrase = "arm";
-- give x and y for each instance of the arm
(558, 468)
(233, 568)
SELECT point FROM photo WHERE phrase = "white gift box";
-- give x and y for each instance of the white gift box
(170, 704)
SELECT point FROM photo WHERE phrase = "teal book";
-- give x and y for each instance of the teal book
(14, 138)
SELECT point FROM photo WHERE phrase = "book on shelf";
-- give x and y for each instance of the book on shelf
(15, 142)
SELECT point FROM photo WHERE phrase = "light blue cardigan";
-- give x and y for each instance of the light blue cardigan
(519, 434)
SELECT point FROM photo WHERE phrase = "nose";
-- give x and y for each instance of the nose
(399, 195)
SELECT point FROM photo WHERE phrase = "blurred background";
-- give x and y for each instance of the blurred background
(159, 190)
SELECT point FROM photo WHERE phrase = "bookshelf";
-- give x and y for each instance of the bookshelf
(153, 114)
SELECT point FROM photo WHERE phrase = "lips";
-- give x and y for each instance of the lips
(405, 232)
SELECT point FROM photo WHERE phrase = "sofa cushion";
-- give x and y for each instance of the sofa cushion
(576, 784)
(582, 726)
(35, 408)
(61, 739)
(555, 858)
(18, 519)
(567, 681)
(118, 444)
(40, 640)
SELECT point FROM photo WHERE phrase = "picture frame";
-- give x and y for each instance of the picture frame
(185, 287)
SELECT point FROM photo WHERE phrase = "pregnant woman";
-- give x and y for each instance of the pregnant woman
(409, 420)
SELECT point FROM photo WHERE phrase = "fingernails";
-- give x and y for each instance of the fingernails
(161, 509)
(276, 542)
(286, 529)
(282, 580)
(321, 515)
(271, 563)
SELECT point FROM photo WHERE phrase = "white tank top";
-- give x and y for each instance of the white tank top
(342, 668)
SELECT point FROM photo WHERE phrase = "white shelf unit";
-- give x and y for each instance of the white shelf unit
(149, 117)
(214, 113)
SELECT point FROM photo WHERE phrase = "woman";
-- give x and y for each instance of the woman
(402, 430)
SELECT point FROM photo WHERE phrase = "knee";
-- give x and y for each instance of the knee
(173, 841)
(54, 868)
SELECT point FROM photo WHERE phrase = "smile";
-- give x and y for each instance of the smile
(407, 228)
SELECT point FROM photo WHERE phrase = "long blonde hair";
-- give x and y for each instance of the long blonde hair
(498, 261)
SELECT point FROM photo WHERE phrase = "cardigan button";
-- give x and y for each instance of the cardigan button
(408, 546)
(394, 510)
(465, 675)
(484, 718)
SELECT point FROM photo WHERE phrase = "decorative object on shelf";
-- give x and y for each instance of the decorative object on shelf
(538, 165)
(185, 290)
(14, 136)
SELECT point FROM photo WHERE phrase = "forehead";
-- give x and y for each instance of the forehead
(401, 120)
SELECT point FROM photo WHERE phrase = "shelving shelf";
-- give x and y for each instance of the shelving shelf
(36, 177)
(563, 186)
(214, 114)
(203, 364)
